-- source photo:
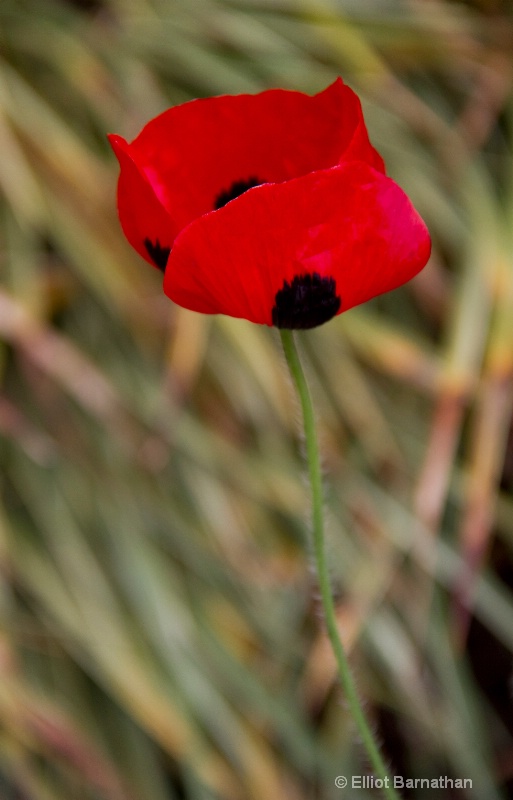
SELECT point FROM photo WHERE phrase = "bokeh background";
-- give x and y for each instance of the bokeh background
(160, 630)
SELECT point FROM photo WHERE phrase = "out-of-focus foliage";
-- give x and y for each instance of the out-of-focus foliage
(160, 634)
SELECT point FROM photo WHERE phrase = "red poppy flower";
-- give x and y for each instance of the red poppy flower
(273, 207)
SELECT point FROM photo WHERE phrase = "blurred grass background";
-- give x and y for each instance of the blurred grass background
(160, 632)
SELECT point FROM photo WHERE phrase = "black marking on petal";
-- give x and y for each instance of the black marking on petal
(308, 301)
(236, 189)
(158, 254)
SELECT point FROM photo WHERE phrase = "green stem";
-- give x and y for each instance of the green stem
(314, 467)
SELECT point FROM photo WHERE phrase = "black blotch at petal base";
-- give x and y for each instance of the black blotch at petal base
(235, 190)
(158, 253)
(307, 301)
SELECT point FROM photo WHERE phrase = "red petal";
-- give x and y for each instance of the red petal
(195, 151)
(349, 223)
(142, 216)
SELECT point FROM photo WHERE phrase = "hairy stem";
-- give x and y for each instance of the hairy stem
(314, 468)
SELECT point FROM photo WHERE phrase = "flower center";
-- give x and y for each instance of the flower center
(236, 189)
(307, 301)
(158, 254)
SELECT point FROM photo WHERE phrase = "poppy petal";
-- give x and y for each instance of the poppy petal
(296, 253)
(198, 153)
(144, 220)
